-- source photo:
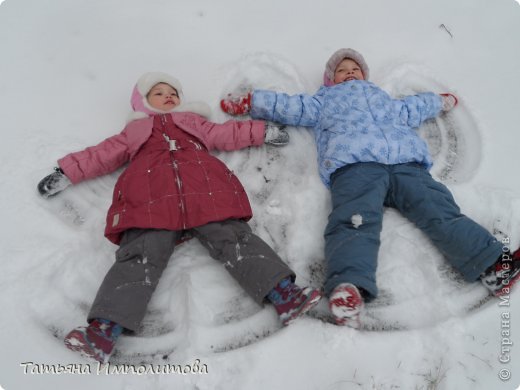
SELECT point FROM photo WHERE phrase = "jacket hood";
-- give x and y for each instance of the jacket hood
(336, 58)
(142, 109)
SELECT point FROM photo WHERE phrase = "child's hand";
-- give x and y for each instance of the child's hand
(276, 135)
(52, 184)
(448, 101)
(236, 105)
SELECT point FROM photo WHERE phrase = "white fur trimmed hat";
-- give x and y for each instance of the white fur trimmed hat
(148, 80)
(142, 109)
(336, 58)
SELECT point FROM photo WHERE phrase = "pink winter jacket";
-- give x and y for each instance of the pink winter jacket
(149, 193)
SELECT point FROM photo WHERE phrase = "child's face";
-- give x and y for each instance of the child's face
(163, 97)
(347, 70)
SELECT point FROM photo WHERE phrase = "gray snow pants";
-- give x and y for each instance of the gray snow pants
(360, 192)
(143, 255)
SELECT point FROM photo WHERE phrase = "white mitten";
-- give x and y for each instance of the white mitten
(448, 101)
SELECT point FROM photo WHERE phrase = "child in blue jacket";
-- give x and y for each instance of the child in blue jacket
(370, 156)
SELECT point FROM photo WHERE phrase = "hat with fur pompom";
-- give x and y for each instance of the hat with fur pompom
(336, 58)
(145, 83)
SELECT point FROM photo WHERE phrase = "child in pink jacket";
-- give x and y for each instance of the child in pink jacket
(173, 189)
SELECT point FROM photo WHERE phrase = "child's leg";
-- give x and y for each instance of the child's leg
(130, 283)
(352, 234)
(122, 299)
(257, 268)
(469, 247)
(251, 262)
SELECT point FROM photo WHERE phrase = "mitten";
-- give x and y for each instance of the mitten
(448, 101)
(236, 105)
(276, 135)
(52, 184)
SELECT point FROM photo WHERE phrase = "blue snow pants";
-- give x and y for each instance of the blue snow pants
(352, 236)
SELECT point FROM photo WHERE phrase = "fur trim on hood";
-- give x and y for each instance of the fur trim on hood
(141, 107)
(336, 58)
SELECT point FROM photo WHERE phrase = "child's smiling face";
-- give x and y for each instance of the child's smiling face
(347, 70)
(163, 97)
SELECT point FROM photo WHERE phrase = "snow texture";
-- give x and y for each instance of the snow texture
(357, 220)
(65, 82)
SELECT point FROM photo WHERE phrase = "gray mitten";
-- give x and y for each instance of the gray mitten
(52, 184)
(276, 135)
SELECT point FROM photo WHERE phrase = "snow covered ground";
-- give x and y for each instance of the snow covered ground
(66, 74)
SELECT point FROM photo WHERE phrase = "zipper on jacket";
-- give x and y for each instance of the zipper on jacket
(178, 181)
(171, 143)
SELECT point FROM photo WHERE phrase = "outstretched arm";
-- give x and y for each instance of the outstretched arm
(415, 109)
(97, 160)
(94, 161)
(296, 110)
(232, 135)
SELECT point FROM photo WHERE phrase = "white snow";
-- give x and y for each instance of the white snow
(66, 75)
(357, 220)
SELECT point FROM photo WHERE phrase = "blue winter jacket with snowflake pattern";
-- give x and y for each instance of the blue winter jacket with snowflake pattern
(353, 122)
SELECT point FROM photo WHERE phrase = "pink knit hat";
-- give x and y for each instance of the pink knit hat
(145, 84)
(336, 58)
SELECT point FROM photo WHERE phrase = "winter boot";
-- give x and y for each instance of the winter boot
(96, 341)
(291, 301)
(346, 303)
(501, 276)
